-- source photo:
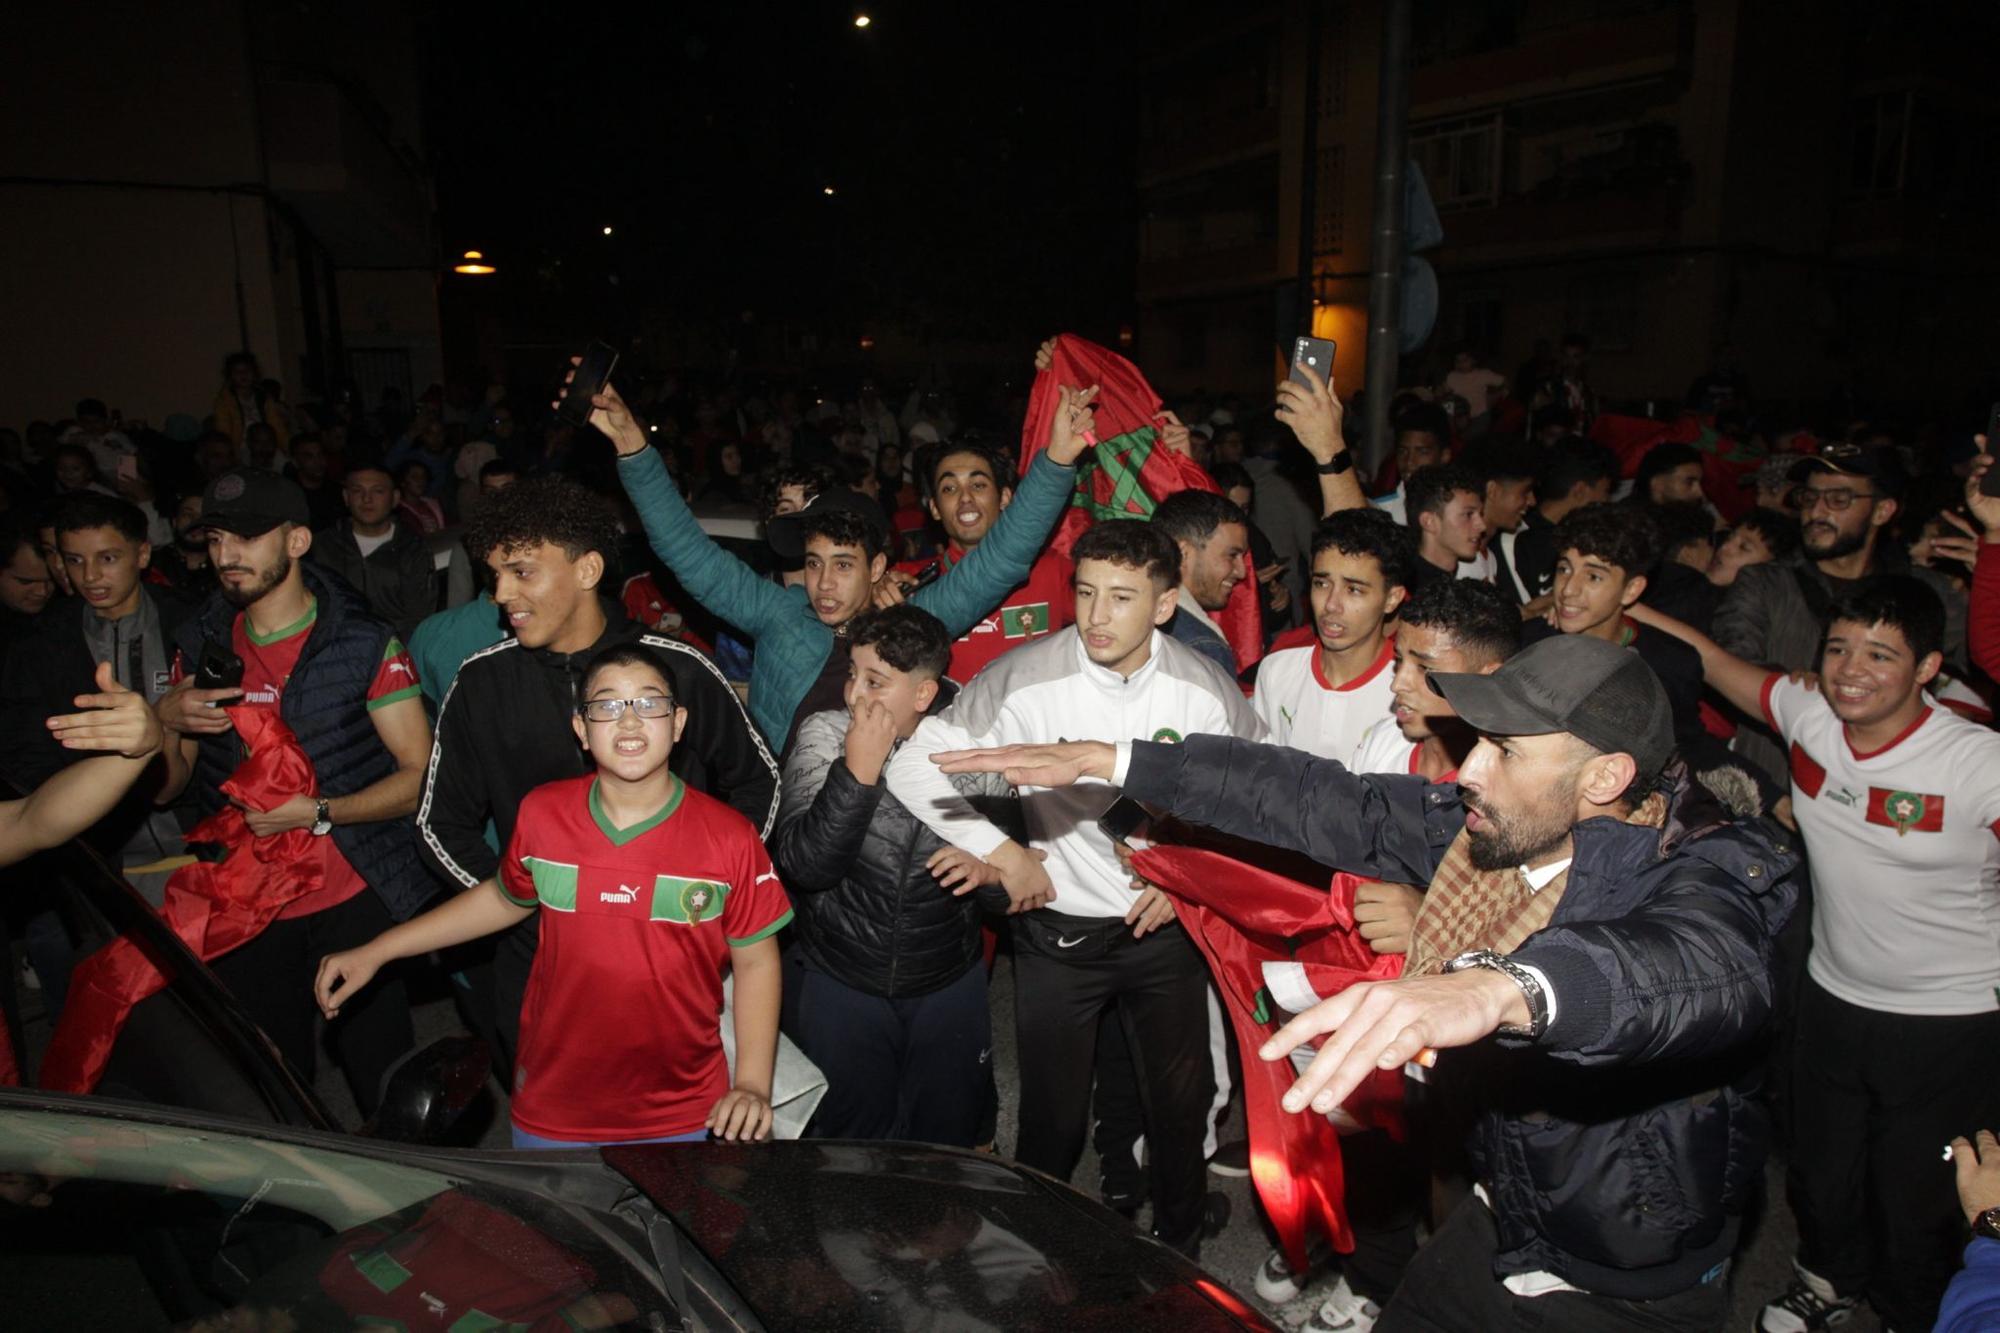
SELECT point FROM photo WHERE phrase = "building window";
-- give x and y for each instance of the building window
(1461, 160)
(1605, 306)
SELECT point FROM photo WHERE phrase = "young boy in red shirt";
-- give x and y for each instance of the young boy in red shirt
(647, 889)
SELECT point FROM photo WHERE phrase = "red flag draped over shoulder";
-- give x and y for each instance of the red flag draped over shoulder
(1134, 471)
(1273, 943)
(214, 906)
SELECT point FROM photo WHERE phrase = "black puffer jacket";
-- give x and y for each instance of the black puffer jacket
(867, 911)
(1620, 1147)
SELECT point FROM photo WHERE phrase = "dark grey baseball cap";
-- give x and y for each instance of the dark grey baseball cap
(1596, 691)
(786, 532)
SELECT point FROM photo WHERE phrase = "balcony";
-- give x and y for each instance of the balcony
(1208, 142)
(1208, 271)
(1648, 215)
(1560, 62)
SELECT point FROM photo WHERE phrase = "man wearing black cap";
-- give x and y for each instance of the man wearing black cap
(1590, 908)
(340, 679)
(1773, 613)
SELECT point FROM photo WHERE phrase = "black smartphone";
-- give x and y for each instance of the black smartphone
(1314, 352)
(599, 360)
(218, 669)
(1990, 483)
(1125, 817)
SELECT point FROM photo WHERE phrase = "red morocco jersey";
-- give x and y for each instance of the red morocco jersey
(1042, 605)
(620, 1034)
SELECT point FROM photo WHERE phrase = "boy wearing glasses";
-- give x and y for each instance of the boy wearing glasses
(1846, 497)
(647, 890)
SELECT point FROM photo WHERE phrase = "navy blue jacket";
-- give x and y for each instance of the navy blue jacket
(1619, 1148)
(325, 703)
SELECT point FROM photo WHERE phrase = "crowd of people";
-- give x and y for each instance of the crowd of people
(1659, 753)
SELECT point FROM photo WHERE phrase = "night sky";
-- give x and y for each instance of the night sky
(981, 159)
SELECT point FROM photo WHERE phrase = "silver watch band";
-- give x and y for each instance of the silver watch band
(1531, 989)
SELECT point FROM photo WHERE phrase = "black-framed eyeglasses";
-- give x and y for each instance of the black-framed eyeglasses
(610, 710)
(1837, 498)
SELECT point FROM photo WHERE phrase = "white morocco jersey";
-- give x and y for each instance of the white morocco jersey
(1905, 848)
(1301, 710)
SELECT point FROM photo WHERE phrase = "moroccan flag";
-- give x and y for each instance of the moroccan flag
(1129, 471)
(214, 906)
(1272, 942)
(1725, 462)
(1906, 811)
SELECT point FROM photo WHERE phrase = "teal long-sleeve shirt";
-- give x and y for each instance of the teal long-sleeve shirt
(792, 643)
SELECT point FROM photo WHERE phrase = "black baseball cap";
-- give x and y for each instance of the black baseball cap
(1598, 692)
(250, 502)
(1883, 467)
(786, 532)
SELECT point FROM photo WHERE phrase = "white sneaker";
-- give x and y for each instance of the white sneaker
(1809, 1305)
(1276, 1283)
(1343, 1311)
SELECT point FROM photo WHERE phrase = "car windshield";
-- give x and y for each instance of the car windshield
(112, 1223)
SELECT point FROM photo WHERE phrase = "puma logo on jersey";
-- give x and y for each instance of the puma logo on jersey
(624, 893)
(403, 667)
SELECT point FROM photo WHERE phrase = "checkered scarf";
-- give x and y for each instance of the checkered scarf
(1469, 908)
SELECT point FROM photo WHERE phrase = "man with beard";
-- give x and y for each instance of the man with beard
(186, 566)
(1586, 905)
(340, 679)
(1772, 615)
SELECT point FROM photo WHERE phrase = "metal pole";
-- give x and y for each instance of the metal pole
(1392, 116)
(1308, 180)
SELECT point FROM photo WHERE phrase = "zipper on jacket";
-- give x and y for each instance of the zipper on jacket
(902, 891)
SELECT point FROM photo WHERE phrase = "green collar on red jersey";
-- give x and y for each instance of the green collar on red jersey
(620, 836)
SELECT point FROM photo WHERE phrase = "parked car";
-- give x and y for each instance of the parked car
(205, 1187)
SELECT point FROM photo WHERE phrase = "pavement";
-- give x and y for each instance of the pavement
(1762, 1268)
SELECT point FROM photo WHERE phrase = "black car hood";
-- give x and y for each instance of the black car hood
(834, 1235)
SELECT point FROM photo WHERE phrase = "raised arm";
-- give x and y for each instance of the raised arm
(712, 576)
(1315, 416)
(78, 796)
(1740, 682)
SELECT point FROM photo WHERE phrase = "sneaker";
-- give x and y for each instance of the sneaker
(1343, 1311)
(1231, 1159)
(1276, 1283)
(1807, 1306)
(1214, 1215)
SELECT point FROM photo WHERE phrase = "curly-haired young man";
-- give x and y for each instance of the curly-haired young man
(503, 728)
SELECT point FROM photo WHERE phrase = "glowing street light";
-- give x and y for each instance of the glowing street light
(862, 20)
(607, 231)
(827, 190)
(473, 263)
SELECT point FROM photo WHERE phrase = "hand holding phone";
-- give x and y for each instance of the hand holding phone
(593, 372)
(1314, 352)
(1990, 483)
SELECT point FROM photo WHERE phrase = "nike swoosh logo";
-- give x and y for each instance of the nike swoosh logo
(1063, 943)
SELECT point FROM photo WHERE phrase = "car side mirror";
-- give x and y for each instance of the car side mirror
(429, 1090)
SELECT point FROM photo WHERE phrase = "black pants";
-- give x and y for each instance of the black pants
(272, 977)
(1876, 1096)
(914, 1068)
(1160, 985)
(1450, 1288)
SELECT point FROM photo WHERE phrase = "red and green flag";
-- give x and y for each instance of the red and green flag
(1130, 470)
(1724, 461)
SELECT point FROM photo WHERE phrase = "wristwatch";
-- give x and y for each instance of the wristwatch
(1531, 989)
(322, 819)
(1987, 1224)
(1338, 464)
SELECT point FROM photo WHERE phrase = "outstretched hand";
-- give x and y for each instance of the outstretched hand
(1984, 508)
(1386, 1024)
(118, 720)
(1063, 764)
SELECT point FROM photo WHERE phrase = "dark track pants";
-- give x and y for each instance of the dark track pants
(1160, 985)
(1875, 1097)
(272, 977)
(915, 1068)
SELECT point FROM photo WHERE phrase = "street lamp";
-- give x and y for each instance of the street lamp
(862, 20)
(827, 190)
(473, 263)
(607, 231)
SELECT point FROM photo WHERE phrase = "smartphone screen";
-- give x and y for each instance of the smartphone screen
(1125, 817)
(1990, 483)
(1314, 352)
(599, 360)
